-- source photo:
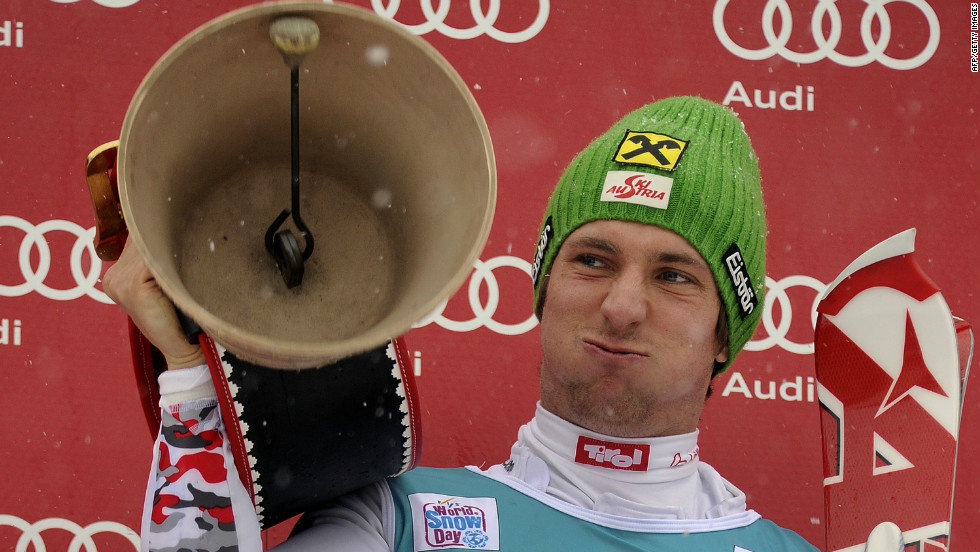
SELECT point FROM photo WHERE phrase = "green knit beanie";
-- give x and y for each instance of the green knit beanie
(685, 164)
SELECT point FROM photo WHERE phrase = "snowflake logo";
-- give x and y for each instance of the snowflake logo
(475, 538)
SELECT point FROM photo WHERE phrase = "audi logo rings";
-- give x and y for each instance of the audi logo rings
(826, 45)
(34, 240)
(777, 333)
(435, 18)
(104, 3)
(483, 272)
(31, 539)
(483, 20)
(34, 278)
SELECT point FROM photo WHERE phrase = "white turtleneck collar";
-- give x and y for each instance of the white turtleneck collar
(652, 478)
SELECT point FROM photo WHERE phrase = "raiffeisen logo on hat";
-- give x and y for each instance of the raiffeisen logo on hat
(651, 190)
(651, 149)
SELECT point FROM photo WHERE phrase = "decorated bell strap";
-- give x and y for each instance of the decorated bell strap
(301, 438)
(148, 364)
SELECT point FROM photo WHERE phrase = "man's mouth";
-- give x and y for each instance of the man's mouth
(614, 349)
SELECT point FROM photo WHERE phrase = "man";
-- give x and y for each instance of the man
(648, 281)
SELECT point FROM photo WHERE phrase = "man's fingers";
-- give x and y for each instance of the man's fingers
(132, 286)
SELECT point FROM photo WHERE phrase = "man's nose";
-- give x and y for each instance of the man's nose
(626, 302)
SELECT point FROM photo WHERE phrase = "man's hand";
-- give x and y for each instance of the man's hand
(129, 283)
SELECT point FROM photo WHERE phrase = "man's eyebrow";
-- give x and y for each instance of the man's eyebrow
(594, 243)
(662, 257)
(673, 257)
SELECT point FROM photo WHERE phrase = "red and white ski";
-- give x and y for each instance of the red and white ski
(891, 364)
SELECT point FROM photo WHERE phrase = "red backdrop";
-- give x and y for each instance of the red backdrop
(865, 127)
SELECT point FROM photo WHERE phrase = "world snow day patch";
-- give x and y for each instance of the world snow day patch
(441, 522)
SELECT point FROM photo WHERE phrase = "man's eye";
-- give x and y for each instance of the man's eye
(674, 276)
(590, 260)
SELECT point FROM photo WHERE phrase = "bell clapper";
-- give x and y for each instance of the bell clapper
(294, 37)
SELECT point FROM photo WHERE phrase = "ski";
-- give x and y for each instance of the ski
(891, 367)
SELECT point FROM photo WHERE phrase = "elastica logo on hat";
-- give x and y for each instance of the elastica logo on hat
(547, 233)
